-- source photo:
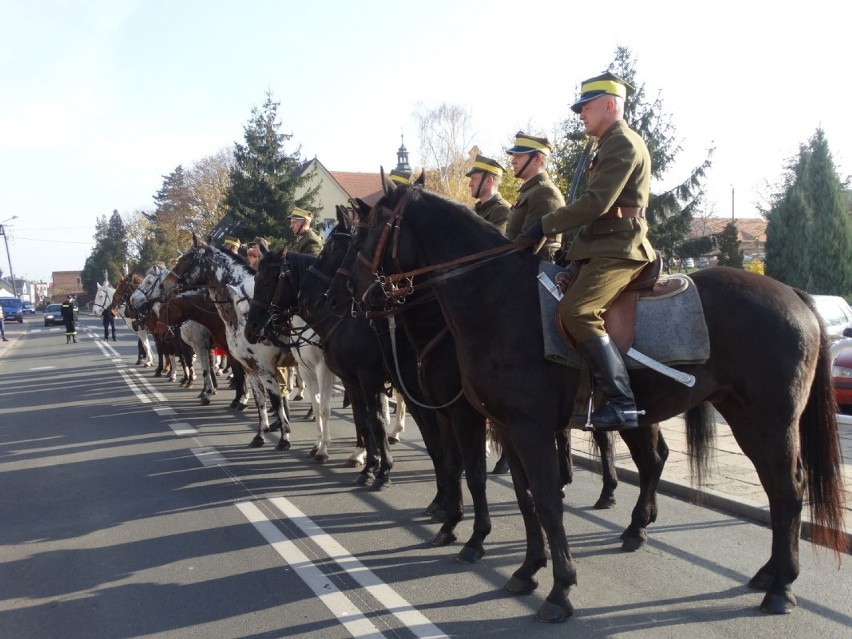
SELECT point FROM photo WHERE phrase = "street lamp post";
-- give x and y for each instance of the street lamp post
(9, 255)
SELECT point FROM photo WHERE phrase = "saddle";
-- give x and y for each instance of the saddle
(620, 318)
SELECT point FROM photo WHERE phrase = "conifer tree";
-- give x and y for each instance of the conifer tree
(809, 225)
(109, 253)
(264, 179)
(729, 246)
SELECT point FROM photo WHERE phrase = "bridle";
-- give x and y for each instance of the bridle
(399, 285)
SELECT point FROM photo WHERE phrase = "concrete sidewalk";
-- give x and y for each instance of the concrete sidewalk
(732, 483)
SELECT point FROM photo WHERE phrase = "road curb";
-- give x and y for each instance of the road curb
(702, 496)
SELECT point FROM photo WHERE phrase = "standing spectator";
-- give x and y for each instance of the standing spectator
(108, 318)
(70, 319)
(2, 322)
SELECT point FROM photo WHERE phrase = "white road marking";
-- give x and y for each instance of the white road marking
(140, 394)
(182, 428)
(414, 620)
(208, 456)
(337, 603)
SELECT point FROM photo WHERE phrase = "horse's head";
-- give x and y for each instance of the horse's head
(103, 299)
(149, 289)
(314, 291)
(274, 294)
(382, 251)
(339, 292)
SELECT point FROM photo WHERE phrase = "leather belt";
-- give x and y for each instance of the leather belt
(624, 211)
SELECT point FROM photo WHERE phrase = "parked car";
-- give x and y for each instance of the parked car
(53, 315)
(835, 312)
(29, 308)
(841, 372)
(13, 309)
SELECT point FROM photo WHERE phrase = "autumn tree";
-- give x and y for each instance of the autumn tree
(670, 212)
(809, 225)
(265, 178)
(446, 149)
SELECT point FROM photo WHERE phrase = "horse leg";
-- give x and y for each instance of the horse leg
(378, 430)
(541, 467)
(649, 452)
(325, 384)
(282, 417)
(359, 413)
(399, 417)
(260, 403)
(606, 448)
(469, 433)
(779, 466)
(522, 581)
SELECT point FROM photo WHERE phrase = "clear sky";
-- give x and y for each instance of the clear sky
(102, 98)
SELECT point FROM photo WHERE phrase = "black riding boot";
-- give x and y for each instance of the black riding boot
(618, 409)
(67, 339)
(74, 337)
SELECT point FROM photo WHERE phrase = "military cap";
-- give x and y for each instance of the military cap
(604, 84)
(400, 177)
(526, 143)
(483, 164)
(300, 214)
(228, 239)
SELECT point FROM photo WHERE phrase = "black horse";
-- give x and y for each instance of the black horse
(768, 375)
(438, 370)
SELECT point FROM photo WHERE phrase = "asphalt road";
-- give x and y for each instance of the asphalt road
(129, 510)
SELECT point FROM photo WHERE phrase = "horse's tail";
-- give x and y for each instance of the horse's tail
(700, 435)
(820, 451)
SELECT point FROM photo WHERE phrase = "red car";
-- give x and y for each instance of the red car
(841, 375)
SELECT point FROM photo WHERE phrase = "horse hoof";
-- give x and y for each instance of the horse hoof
(604, 503)
(632, 543)
(313, 451)
(274, 428)
(283, 444)
(501, 467)
(444, 539)
(240, 407)
(380, 484)
(433, 507)
(518, 586)
(204, 401)
(321, 459)
(257, 442)
(778, 604)
(761, 581)
(351, 463)
(393, 440)
(554, 613)
(299, 397)
(363, 480)
(470, 555)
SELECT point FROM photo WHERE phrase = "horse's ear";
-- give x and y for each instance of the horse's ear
(342, 218)
(421, 181)
(387, 184)
(100, 285)
(195, 241)
(263, 246)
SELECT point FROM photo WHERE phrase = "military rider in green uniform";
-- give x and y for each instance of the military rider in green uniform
(485, 177)
(611, 245)
(538, 195)
(307, 240)
(398, 176)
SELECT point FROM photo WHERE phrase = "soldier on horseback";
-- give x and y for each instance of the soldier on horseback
(611, 246)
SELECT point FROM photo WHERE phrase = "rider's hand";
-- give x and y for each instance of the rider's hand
(535, 232)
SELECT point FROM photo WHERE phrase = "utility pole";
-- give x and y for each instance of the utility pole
(9, 256)
(733, 217)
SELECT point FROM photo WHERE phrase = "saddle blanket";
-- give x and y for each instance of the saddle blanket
(669, 329)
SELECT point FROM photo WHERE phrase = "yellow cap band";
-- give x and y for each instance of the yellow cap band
(400, 179)
(488, 168)
(532, 144)
(607, 86)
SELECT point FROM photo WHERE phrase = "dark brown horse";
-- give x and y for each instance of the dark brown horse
(768, 375)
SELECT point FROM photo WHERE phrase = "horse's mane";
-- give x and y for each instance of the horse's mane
(419, 197)
(235, 258)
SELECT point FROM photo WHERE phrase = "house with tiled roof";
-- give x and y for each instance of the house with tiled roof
(751, 231)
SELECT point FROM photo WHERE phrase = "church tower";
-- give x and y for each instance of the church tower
(402, 156)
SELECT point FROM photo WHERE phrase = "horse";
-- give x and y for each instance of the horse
(179, 311)
(230, 282)
(118, 304)
(768, 376)
(349, 347)
(437, 366)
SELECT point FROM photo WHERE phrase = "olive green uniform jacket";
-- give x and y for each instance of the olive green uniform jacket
(538, 197)
(620, 176)
(308, 242)
(495, 210)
